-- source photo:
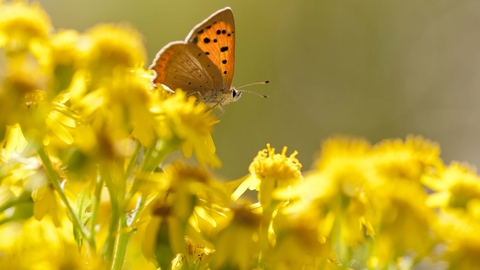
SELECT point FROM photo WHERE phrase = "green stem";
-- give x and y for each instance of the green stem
(56, 184)
(125, 234)
(159, 152)
(108, 249)
(138, 209)
(133, 162)
(267, 216)
(154, 155)
(96, 205)
(121, 247)
(23, 198)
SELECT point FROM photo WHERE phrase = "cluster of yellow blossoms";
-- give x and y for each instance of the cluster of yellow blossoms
(84, 182)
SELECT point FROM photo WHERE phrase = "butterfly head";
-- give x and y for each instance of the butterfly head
(233, 96)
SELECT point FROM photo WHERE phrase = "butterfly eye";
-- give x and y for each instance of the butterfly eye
(236, 93)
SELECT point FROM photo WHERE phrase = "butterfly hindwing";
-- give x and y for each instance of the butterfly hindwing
(215, 36)
(184, 65)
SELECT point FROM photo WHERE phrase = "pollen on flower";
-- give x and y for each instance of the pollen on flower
(189, 121)
(196, 252)
(270, 172)
(267, 164)
(32, 99)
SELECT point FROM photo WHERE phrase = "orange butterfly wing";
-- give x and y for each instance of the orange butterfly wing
(216, 37)
(184, 65)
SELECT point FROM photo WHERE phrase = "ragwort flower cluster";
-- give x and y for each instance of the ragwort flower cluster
(85, 182)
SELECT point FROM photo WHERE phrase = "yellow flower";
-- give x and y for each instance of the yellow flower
(344, 167)
(270, 172)
(403, 221)
(47, 203)
(457, 195)
(459, 232)
(24, 32)
(182, 193)
(22, 95)
(19, 173)
(196, 257)
(340, 147)
(182, 118)
(236, 246)
(406, 161)
(14, 142)
(112, 113)
(61, 120)
(338, 189)
(39, 245)
(24, 27)
(112, 48)
(298, 244)
(26, 174)
(187, 184)
(336, 195)
(107, 90)
(70, 51)
(457, 189)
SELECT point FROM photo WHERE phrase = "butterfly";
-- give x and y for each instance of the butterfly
(203, 64)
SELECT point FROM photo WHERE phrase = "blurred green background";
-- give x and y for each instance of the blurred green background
(372, 68)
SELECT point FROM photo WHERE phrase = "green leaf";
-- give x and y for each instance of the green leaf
(84, 201)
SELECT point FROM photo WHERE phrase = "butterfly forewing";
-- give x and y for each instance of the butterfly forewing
(184, 65)
(216, 38)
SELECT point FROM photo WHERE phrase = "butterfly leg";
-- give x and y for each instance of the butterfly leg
(222, 109)
(198, 95)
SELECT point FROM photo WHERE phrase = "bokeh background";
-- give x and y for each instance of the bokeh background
(374, 68)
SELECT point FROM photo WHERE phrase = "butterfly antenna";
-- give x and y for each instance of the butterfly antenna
(250, 92)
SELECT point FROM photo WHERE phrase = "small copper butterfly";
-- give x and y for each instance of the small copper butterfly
(203, 64)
